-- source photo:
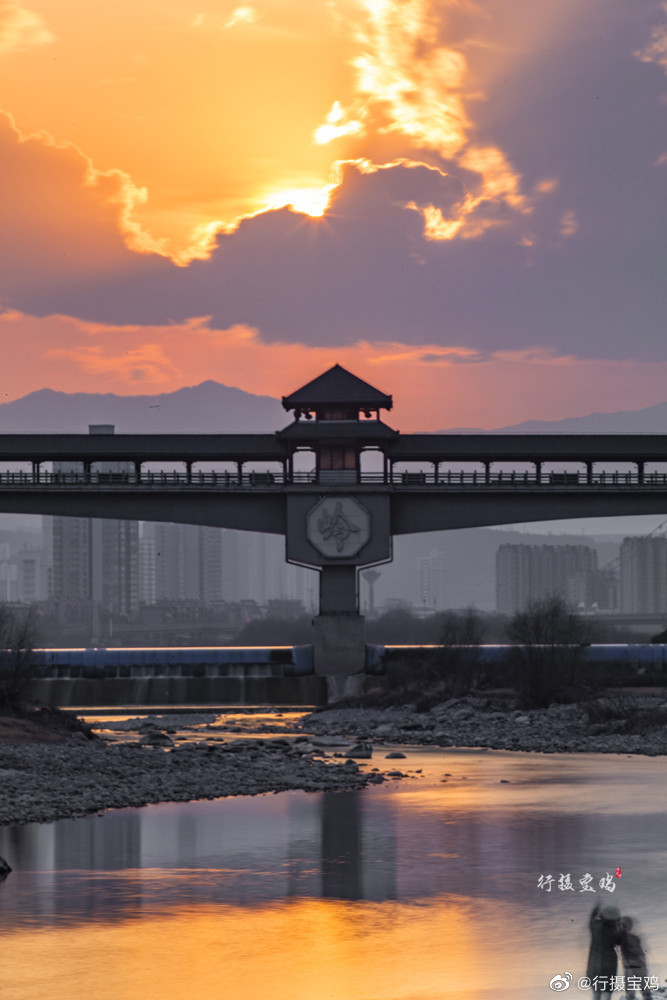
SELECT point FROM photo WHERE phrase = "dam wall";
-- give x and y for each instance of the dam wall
(281, 675)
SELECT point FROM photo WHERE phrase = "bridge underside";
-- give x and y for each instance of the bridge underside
(411, 511)
(475, 509)
(245, 511)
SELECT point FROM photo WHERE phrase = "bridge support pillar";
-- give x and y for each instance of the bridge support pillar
(338, 645)
(337, 534)
(338, 630)
(338, 590)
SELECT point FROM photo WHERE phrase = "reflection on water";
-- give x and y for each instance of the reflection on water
(415, 890)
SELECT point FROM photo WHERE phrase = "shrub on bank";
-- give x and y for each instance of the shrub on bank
(18, 636)
(546, 656)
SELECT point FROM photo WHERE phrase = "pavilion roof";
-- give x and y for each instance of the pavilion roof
(337, 385)
(334, 431)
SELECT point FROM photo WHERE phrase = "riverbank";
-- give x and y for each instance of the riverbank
(620, 722)
(45, 782)
(54, 767)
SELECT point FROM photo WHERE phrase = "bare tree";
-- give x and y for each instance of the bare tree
(548, 638)
(458, 659)
(461, 629)
(18, 636)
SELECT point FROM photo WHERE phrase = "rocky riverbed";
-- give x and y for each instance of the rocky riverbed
(619, 722)
(45, 781)
(66, 772)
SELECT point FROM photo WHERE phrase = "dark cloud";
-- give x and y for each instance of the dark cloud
(366, 272)
(60, 220)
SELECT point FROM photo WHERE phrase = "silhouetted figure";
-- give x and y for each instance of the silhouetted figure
(602, 958)
(634, 959)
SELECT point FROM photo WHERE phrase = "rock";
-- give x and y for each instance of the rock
(394, 755)
(360, 751)
(5, 868)
(327, 741)
(522, 718)
(157, 739)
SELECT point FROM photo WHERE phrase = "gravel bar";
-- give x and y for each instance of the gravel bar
(42, 782)
(473, 721)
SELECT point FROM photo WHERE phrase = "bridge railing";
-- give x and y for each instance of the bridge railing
(115, 480)
(271, 480)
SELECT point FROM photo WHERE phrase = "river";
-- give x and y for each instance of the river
(418, 889)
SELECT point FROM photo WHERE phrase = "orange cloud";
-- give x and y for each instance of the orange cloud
(59, 215)
(434, 386)
(209, 110)
(655, 50)
(206, 118)
(411, 85)
(21, 29)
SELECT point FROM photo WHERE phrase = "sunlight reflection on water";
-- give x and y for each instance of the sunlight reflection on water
(413, 890)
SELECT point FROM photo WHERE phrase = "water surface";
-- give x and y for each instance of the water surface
(413, 890)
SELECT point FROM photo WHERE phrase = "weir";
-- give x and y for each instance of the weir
(282, 675)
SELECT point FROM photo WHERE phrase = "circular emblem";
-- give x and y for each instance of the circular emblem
(338, 527)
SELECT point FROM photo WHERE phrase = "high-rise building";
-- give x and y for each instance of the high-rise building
(643, 570)
(187, 562)
(527, 573)
(95, 559)
(254, 568)
(184, 562)
(433, 580)
(8, 574)
(147, 591)
(31, 575)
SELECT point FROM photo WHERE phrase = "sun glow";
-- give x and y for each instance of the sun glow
(309, 201)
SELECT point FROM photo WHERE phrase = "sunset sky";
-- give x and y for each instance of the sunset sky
(462, 201)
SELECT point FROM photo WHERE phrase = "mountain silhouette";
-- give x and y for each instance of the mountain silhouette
(214, 408)
(649, 420)
(208, 408)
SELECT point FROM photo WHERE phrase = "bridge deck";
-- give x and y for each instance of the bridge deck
(430, 448)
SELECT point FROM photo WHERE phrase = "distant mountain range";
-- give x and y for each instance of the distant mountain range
(212, 407)
(649, 420)
(208, 408)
